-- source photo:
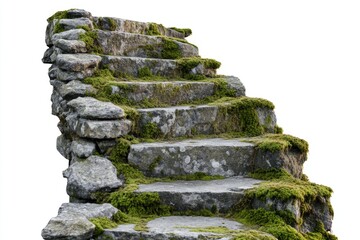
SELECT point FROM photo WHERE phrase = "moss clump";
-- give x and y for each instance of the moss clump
(153, 29)
(186, 31)
(240, 115)
(121, 150)
(107, 23)
(144, 72)
(59, 15)
(102, 223)
(58, 28)
(150, 130)
(170, 49)
(187, 64)
(91, 40)
(280, 142)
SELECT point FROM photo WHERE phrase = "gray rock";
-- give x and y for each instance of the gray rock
(72, 221)
(49, 32)
(68, 24)
(105, 145)
(51, 54)
(53, 71)
(73, 34)
(71, 46)
(171, 93)
(91, 175)
(63, 146)
(82, 148)
(75, 89)
(91, 108)
(138, 45)
(70, 75)
(59, 105)
(98, 129)
(236, 84)
(225, 157)
(181, 228)
(204, 119)
(221, 195)
(211, 156)
(78, 13)
(77, 62)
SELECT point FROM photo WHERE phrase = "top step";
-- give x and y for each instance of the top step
(78, 18)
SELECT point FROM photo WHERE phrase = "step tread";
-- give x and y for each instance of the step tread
(183, 227)
(228, 185)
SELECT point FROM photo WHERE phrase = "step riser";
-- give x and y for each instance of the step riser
(159, 67)
(201, 120)
(212, 157)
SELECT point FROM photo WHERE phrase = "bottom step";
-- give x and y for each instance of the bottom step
(187, 228)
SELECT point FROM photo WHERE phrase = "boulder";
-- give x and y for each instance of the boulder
(71, 46)
(75, 89)
(91, 175)
(77, 62)
(82, 148)
(91, 108)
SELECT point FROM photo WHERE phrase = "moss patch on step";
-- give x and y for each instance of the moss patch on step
(187, 66)
(59, 15)
(282, 187)
(91, 40)
(186, 31)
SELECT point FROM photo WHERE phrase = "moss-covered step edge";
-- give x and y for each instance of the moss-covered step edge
(244, 115)
(68, 67)
(163, 93)
(122, 44)
(280, 190)
(112, 24)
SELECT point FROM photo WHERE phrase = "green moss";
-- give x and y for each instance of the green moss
(112, 24)
(59, 15)
(154, 163)
(280, 142)
(270, 174)
(153, 29)
(186, 31)
(170, 49)
(58, 28)
(144, 72)
(91, 40)
(187, 64)
(121, 150)
(150, 130)
(102, 223)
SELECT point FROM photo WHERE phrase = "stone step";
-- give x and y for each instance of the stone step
(216, 156)
(180, 121)
(75, 18)
(123, 44)
(140, 67)
(186, 228)
(214, 195)
(68, 67)
(170, 93)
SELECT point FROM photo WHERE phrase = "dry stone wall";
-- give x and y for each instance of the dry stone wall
(150, 130)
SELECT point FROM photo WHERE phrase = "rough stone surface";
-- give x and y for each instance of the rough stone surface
(71, 75)
(77, 62)
(75, 89)
(203, 119)
(160, 67)
(91, 175)
(179, 228)
(236, 84)
(197, 195)
(172, 93)
(71, 46)
(68, 24)
(82, 148)
(137, 45)
(63, 146)
(225, 157)
(51, 54)
(73, 34)
(72, 221)
(211, 156)
(91, 108)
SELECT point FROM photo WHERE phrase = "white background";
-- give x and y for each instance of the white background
(302, 55)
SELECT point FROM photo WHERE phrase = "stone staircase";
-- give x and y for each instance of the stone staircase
(160, 146)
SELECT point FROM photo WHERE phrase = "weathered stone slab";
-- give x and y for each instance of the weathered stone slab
(220, 195)
(82, 148)
(72, 221)
(71, 46)
(204, 119)
(225, 157)
(138, 45)
(99, 129)
(75, 89)
(161, 67)
(75, 23)
(73, 34)
(91, 175)
(123, 25)
(211, 156)
(91, 108)
(77, 62)
(183, 228)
